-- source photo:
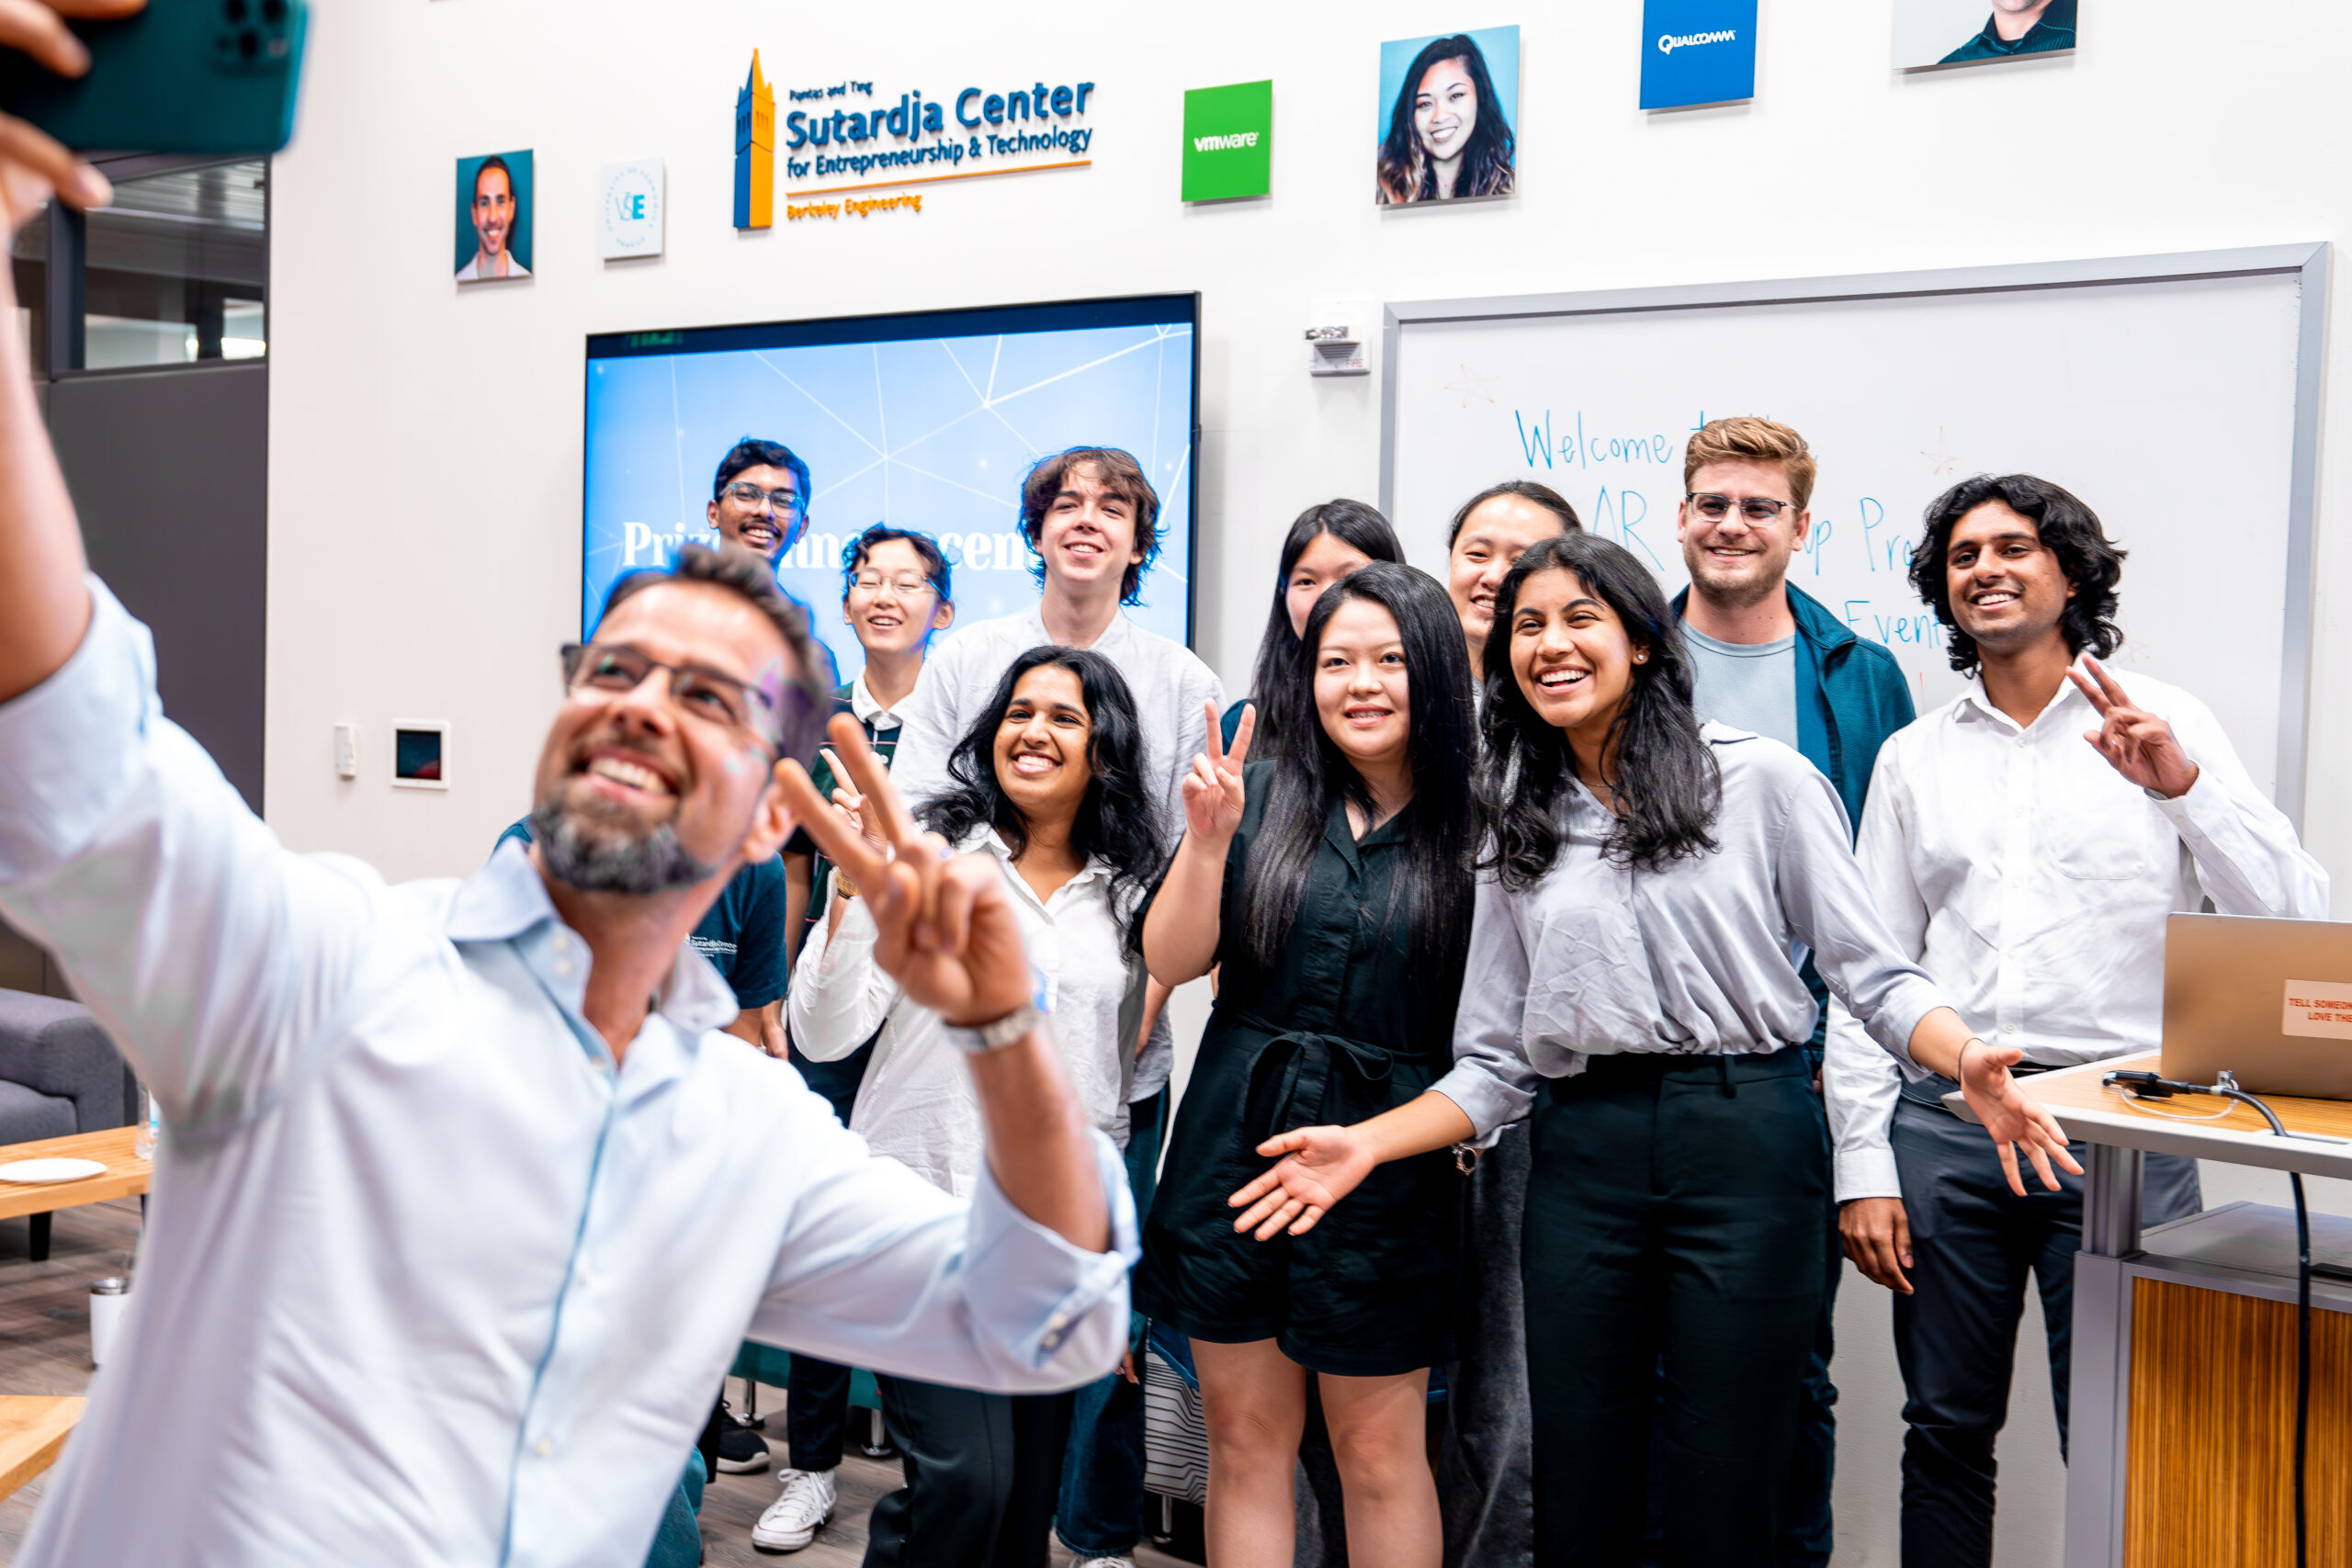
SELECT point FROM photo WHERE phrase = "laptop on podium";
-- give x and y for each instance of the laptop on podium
(2268, 1000)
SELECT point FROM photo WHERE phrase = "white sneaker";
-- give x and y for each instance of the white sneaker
(799, 1511)
(1101, 1563)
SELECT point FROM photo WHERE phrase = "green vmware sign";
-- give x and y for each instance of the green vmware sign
(1229, 141)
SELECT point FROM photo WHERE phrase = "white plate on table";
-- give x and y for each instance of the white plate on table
(38, 1172)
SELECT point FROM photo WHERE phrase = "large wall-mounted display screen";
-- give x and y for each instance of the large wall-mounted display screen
(925, 421)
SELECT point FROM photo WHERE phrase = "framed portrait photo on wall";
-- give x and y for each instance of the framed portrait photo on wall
(1447, 104)
(1929, 33)
(492, 238)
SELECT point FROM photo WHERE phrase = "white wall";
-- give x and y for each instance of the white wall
(426, 449)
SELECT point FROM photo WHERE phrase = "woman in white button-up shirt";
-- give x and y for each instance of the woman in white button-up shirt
(1631, 989)
(1050, 781)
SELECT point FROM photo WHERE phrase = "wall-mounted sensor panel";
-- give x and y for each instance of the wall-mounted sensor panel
(420, 753)
(346, 751)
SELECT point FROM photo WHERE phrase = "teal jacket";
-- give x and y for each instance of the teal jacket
(1851, 696)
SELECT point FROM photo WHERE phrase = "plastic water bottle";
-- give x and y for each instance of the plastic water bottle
(149, 1135)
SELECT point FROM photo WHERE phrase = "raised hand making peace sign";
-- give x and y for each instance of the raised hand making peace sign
(2137, 743)
(1211, 790)
(947, 931)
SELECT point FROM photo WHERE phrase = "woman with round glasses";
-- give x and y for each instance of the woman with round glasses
(1629, 989)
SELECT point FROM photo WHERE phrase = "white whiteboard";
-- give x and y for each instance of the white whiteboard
(2179, 403)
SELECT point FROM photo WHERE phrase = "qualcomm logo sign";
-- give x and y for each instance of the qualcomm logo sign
(1667, 43)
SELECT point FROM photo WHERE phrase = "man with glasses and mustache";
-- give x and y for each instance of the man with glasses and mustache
(476, 1148)
(1768, 657)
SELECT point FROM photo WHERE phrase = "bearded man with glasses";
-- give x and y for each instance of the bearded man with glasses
(1766, 657)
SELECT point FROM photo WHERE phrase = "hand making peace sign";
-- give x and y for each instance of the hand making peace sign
(2137, 743)
(1212, 794)
(947, 934)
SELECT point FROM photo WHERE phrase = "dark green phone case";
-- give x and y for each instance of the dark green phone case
(196, 76)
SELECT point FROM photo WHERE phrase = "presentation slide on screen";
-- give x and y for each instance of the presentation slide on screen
(925, 422)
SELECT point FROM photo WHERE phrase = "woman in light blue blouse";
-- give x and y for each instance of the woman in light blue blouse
(1630, 989)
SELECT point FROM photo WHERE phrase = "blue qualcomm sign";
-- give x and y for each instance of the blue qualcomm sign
(1697, 51)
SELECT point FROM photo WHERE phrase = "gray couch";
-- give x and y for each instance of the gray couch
(59, 1075)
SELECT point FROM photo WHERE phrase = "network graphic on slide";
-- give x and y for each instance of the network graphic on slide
(933, 434)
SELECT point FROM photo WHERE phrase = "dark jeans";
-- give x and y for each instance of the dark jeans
(816, 1403)
(1673, 1215)
(982, 1470)
(1973, 1242)
(1102, 1492)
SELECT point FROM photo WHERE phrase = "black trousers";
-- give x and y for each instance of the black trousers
(1674, 1210)
(1973, 1244)
(816, 1405)
(983, 1473)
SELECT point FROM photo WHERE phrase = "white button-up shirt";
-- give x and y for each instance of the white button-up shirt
(1690, 958)
(916, 1103)
(2032, 880)
(1169, 685)
(429, 1276)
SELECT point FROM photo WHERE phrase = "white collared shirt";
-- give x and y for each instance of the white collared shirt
(1171, 688)
(2032, 880)
(428, 1275)
(870, 712)
(916, 1103)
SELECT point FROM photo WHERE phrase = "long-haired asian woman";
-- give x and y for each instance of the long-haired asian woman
(1447, 134)
(1327, 542)
(1630, 988)
(1331, 888)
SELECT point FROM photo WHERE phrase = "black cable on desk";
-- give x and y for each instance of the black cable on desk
(2226, 1088)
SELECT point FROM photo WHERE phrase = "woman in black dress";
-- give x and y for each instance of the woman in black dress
(1331, 887)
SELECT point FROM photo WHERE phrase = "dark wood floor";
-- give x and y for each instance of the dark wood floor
(45, 1348)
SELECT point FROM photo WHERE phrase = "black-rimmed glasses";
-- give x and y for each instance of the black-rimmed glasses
(786, 722)
(1754, 508)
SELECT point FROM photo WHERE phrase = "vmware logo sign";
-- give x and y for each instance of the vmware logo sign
(1697, 51)
(1229, 141)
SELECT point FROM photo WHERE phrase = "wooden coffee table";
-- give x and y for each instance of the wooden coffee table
(126, 1176)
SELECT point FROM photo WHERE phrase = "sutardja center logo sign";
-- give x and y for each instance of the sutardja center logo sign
(849, 131)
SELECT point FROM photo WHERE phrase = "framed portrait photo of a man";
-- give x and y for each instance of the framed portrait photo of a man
(494, 228)
(1970, 32)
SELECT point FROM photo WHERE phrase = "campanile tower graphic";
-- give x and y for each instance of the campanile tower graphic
(755, 152)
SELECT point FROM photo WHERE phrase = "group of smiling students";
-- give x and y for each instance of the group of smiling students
(1474, 858)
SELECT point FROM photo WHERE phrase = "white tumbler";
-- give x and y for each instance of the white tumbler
(108, 1297)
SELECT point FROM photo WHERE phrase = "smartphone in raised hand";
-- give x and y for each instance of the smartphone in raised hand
(190, 76)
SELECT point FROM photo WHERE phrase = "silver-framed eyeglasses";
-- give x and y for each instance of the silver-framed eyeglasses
(1754, 508)
(787, 725)
(905, 584)
(743, 492)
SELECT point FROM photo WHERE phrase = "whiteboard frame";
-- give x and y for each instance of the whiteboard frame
(2308, 262)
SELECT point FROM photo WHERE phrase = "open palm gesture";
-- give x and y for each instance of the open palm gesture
(1318, 1167)
(946, 928)
(1212, 794)
(2135, 742)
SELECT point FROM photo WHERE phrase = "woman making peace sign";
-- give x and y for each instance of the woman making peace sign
(1332, 887)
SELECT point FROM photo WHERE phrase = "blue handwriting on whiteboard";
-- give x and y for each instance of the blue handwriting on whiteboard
(1576, 449)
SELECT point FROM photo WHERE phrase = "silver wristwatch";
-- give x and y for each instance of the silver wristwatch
(1014, 1025)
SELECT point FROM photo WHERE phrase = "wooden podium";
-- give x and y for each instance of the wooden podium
(2183, 1398)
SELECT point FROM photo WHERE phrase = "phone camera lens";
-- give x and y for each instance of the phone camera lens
(233, 9)
(273, 11)
(248, 44)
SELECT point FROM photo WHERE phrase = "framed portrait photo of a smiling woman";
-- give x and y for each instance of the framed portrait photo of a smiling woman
(1448, 102)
